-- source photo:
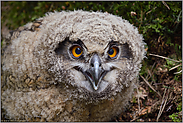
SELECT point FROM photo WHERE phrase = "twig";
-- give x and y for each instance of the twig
(159, 38)
(153, 66)
(51, 7)
(169, 108)
(166, 5)
(150, 85)
(138, 100)
(175, 67)
(152, 72)
(178, 72)
(162, 107)
(149, 72)
(151, 10)
(164, 57)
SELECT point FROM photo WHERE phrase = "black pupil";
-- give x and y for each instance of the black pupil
(111, 51)
(78, 50)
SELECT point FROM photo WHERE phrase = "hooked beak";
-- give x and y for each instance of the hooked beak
(95, 73)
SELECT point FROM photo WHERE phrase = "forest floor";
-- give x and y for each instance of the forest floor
(158, 96)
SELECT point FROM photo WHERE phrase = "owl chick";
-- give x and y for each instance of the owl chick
(70, 66)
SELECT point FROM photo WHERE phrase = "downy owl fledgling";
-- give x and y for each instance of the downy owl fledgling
(70, 66)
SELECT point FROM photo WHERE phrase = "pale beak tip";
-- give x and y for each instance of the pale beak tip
(95, 87)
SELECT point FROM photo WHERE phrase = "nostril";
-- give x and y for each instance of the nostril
(92, 65)
(100, 65)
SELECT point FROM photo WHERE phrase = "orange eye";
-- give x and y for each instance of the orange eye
(76, 51)
(113, 52)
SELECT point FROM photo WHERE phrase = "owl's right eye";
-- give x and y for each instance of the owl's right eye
(76, 51)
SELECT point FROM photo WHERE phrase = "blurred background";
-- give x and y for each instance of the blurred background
(159, 94)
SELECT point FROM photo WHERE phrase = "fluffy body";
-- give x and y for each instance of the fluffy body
(40, 83)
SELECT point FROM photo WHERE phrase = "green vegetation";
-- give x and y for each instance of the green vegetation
(177, 117)
(159, 22)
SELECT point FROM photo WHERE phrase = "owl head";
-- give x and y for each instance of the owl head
(96, 54)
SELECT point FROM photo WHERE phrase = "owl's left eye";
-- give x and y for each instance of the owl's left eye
(113, 52)
(76, 51)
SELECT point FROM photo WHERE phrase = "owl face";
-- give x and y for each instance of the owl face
(96, 70)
